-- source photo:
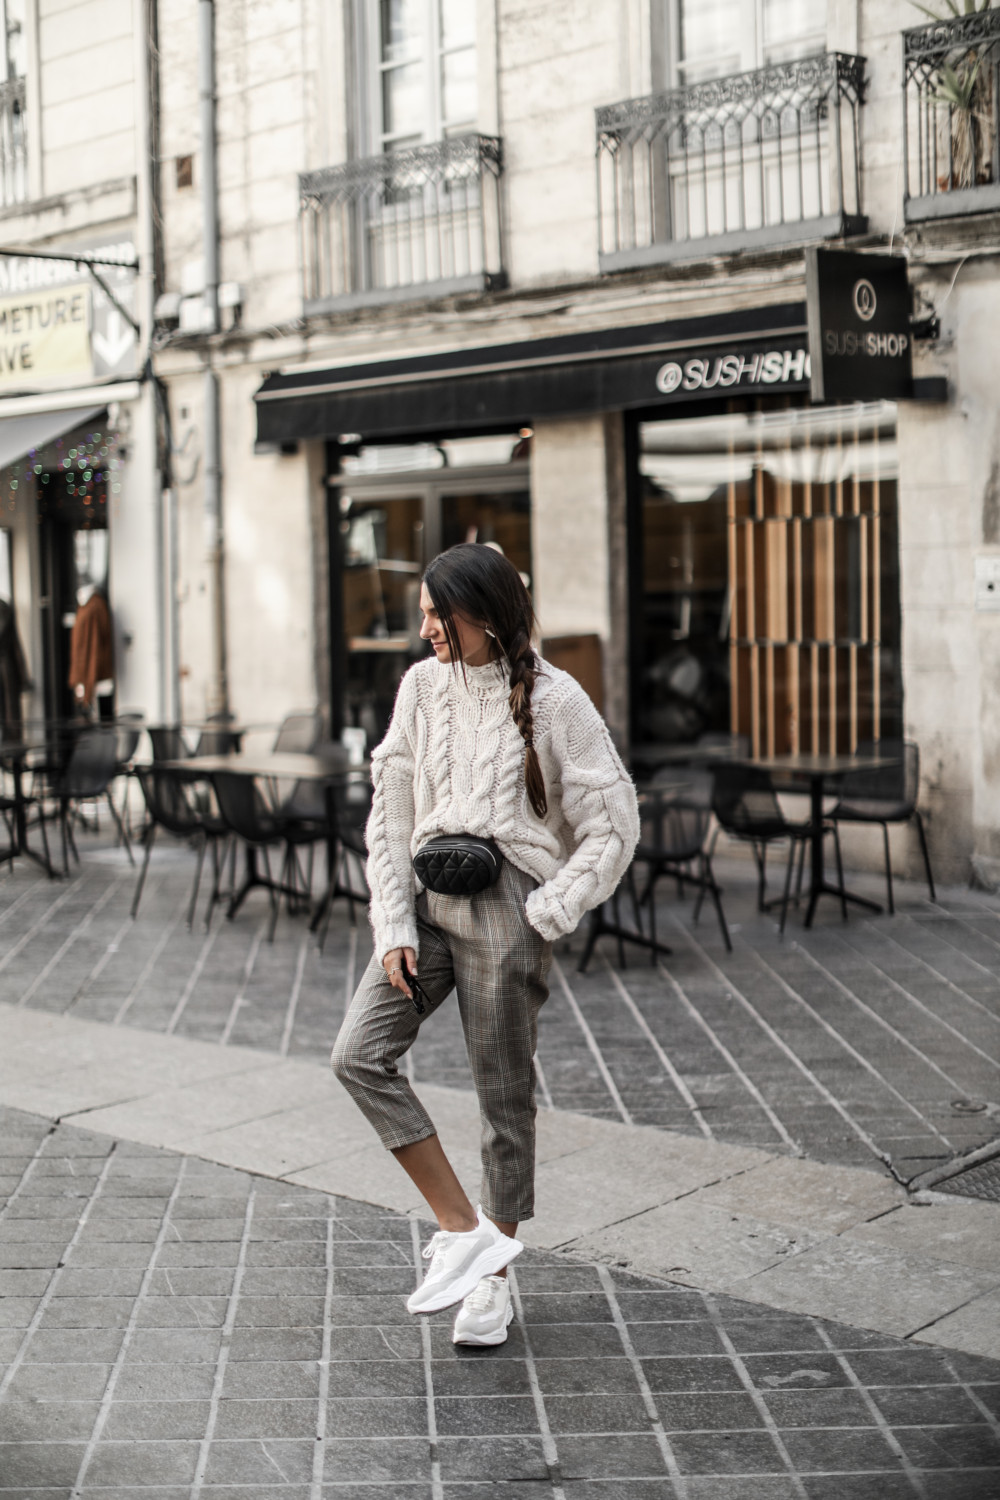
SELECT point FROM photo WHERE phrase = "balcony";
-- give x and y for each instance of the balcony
(424, 222)
(13, 144)
(951, 117)
(756, 159)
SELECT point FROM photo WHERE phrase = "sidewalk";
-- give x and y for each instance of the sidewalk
(176, 1328)
(739, 1126)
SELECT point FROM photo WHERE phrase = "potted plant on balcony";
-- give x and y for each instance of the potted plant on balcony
(965, 89)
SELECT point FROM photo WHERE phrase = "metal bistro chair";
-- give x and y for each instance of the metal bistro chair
(247, 815)
(168, 743)
(676, 814)
(128, 731)
(746, 808)
(86, 777)
(298, 734)
(884, 797)
(170, 806)
(221, 741)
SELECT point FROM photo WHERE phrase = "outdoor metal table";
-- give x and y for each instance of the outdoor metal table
(285, 766)
(788, 772)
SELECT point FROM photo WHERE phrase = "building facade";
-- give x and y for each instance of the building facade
(79, 482)
(534, 274)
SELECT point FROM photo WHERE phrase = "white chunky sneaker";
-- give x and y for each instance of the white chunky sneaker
(458, 1261)
(485, 1314)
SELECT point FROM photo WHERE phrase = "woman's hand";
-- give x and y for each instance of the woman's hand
(393, 966)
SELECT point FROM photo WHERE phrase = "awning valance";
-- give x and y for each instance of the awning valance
(506, 386)
(19, 435)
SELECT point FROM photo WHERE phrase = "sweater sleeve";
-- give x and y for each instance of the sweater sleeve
(601, 809)
(390, 830)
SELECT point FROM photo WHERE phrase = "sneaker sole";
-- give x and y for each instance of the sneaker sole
(487, 1264)
(479, 1340)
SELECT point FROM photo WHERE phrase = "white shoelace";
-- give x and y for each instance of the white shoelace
(483, 1295)
(436, 1247)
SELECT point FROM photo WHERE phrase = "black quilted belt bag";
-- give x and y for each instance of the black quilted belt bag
(458, 864)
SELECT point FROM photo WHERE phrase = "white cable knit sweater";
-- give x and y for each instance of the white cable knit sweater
(453, 762)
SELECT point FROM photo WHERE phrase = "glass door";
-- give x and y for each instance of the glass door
(386, 535)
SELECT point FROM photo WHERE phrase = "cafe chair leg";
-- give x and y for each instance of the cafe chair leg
(149, 839)
(710, 884)
(272, 892)
(840, 870)
(122, 835)
(888, 869)
(792, 851)
(760, 855)
(923, 849)
(192, 905)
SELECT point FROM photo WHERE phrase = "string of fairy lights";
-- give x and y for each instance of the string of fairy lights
(78, 469)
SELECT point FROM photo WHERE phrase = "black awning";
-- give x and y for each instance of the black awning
(510, 385)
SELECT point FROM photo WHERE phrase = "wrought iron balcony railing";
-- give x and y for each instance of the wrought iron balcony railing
(422, 222)
(754, 159)
(13, 143)
(951, 117)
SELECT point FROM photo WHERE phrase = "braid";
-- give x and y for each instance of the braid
(522, 679)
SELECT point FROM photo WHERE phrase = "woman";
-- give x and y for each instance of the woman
(486, 739)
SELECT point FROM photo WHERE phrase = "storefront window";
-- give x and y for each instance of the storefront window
(770, 579)
(389, 526)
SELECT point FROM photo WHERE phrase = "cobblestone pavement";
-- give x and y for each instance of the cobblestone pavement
(172, 1328)
(866, 1043)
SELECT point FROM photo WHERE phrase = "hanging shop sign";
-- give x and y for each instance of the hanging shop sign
(859, 326)
(44, 334)
(59, 325)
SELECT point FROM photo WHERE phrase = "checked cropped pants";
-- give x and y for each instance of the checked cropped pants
(482, 947)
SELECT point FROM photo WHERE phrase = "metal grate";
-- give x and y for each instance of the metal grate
(981, 1181)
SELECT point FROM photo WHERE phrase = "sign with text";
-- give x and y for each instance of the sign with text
(859, 326)
(747, 369)
(44, 334)
(32, 287)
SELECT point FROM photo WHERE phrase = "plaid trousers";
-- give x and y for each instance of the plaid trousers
(483, 947)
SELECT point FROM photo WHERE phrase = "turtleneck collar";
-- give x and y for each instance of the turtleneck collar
(489, 680)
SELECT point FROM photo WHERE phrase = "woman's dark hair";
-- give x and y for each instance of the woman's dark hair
(482, 586)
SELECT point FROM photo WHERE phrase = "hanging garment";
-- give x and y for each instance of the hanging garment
(90, 652)
(13, 674)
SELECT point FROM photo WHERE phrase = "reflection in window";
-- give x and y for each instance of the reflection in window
(717, 37)
(770, 578)
(426, 57)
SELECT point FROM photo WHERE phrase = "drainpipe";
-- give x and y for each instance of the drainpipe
(219, 688)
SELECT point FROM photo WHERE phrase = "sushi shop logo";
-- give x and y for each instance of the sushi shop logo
(762, 367)
(864, 299)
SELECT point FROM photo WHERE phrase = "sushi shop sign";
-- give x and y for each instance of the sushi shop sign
(859, 326)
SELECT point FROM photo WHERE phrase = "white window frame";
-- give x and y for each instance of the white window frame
(433, 125)
(751, 39)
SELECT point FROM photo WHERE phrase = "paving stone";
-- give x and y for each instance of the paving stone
(30, 1421)
(396, 1416)
(268, 1461)
(143, 1421)
(130, 1462)
(265, 1419)
(59, 1382)
(30, 1464)
(634, 1456)
(497, 1459)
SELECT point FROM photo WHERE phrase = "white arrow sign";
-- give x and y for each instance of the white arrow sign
(113, 345)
